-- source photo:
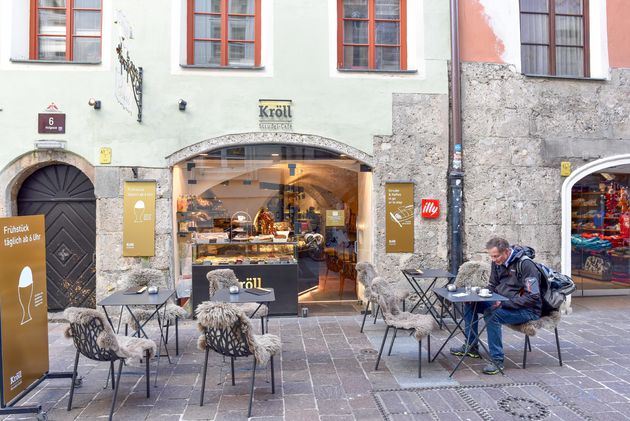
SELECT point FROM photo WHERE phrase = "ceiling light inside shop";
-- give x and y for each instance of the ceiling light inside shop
(608, 176)
(275, 154)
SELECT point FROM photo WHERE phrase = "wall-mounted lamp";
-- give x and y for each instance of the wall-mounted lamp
(95, 103)
(50, 144)
(182, 105)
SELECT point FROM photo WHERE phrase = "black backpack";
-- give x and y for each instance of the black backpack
(554, 286)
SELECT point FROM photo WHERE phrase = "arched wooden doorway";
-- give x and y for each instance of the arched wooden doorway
(65, 196)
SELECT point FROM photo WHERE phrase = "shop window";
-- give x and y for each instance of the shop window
(224, 33)
(554, 37)
(371, 35)
(65, 30)
(600, 231)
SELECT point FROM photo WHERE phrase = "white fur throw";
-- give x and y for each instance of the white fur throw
(225, 278)
(216, 315)
(422, 324)
(122, 346)
(531, 328)
(477, 272)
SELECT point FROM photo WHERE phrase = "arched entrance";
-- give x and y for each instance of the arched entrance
(65, 195)
(275, 213)
(595, 231)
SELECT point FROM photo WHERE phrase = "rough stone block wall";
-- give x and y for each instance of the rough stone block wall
(111, 266)
(516, 131)
(416, 151)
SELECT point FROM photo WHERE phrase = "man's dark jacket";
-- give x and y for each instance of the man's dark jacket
(524, 290)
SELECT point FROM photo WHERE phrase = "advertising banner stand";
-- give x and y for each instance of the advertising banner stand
(23, 313)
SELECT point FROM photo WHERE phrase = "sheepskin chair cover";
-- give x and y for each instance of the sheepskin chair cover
(123, 346)
(422, 324)
(477, 272)
(530, 328)
(216, 315)
(225, 278)
(141, 277)
(365, 274)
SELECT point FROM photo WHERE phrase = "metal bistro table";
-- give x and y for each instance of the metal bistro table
(126, 300)
(471, 298)
(223, 295)
(413, 275)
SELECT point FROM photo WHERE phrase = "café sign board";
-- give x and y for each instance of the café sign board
(275, 114)
(52, 121)
(139, 218)
(23, 304)
(399, 211)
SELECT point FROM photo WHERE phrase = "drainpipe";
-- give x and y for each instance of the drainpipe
(456, 175)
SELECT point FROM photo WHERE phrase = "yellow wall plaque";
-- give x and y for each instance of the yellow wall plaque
(105, 156)
(565, 168)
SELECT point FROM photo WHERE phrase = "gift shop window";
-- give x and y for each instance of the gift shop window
(372, 35)
(65, 30)
(600, 230)
(554, 37)
(224, 33)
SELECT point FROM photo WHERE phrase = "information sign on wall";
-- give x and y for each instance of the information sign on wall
(23, 304)
(430, 208)
(399, 218)
(275, 114)
(139, 218)
(335, 218)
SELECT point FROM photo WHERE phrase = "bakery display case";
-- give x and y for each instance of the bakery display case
(254, 253)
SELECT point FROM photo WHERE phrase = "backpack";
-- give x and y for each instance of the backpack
(554, 286)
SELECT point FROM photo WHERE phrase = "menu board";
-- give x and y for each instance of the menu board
(399, 215)
(335, 218)
(139, 218)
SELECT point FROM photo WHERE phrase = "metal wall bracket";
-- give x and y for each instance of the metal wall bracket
(135, 75)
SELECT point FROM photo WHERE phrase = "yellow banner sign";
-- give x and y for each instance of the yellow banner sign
(23, 304)
(335, 218)
(399, 215)
(139, 218)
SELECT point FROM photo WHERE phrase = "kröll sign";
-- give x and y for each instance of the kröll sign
(430, 208)
(275, 114)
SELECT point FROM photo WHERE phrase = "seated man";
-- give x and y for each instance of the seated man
(522, 289)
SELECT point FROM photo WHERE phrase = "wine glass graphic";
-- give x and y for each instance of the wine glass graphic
(138, 210)
(25, 293)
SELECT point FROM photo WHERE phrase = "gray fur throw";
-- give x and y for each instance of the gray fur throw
(221, 278)
(530, 328)
(122, 346)
(216, 315)
(365, 275)
(141, 277)
(477, 272)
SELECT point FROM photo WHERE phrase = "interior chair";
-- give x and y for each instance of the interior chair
(333, 264)
(531, 328)
(365, 274)
(348, 271)
(227, 330)
(141, 277)
(225, 278)
(95, 339)
(421, 325)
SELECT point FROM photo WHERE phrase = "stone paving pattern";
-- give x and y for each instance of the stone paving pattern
(326, 372)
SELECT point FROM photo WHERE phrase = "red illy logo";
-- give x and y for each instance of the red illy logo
(430, 208)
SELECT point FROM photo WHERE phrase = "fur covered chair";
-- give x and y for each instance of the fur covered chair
(531, 328)
(142, 277)
(421, 324)
(365, 275)
(226, 329)
(225, 278)
(477, 272)
(95, 339)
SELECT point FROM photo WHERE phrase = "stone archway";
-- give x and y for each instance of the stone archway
(264, 137)
(14, 174)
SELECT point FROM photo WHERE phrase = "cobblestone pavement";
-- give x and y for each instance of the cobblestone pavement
(326, 372)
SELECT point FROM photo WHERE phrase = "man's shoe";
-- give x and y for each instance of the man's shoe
(491, 369)
(459, 351)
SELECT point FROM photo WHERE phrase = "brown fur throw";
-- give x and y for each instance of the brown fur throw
(225, 278)
(422, 324)
(530, 328)
(123, 346)
(216, 315)
(477, 272)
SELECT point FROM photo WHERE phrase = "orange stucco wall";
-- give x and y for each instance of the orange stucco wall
(618, 16)
(478, 41)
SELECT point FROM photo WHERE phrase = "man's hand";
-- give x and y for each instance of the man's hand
(496, 304)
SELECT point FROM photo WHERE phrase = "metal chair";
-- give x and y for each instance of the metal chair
(228, 331)
(531, 328)
(94, 338)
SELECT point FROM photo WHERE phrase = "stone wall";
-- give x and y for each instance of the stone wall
(416, 151)
(516, 131)
(111, 266)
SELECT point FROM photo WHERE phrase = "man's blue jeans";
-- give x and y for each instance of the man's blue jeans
(502, 316)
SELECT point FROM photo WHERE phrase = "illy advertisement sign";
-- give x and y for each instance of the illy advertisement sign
(430, 208)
